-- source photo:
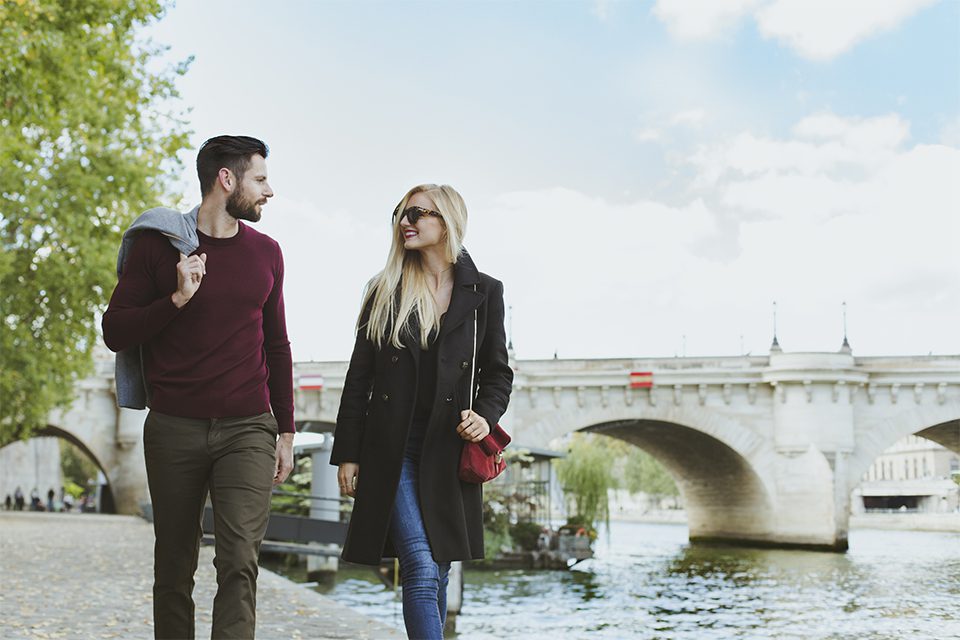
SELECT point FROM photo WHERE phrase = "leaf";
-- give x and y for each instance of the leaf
(88, 139)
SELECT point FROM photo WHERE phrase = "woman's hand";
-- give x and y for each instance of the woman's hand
(347, 478)
(473, 427)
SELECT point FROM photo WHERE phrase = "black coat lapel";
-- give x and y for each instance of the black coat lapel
(464, 299)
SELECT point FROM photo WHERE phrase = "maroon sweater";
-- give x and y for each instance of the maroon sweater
(223, 354)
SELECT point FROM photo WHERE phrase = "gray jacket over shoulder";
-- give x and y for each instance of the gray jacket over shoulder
(181, 230)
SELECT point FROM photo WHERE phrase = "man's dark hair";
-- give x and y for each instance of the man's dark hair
(231, 152)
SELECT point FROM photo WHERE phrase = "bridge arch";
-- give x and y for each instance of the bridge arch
(107, 503)
(719, 465)
(938, 422)
(52, 431)
(113, 439)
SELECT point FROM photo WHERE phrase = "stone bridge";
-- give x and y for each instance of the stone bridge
(765, 449)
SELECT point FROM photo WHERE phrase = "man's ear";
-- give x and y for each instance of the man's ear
(226, 179)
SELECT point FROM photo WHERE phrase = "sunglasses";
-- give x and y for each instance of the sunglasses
(415, 213)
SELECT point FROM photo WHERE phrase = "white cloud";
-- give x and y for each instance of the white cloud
(824, 29)
(601, 8)
(581, 271)
(854, 214)
(328, 257)
(815, 29)
(689, 118)
(647, 134)
(950, 132)
(859, 133)
(842, 209)
(699, 19)
(823, 142)
(662, 127)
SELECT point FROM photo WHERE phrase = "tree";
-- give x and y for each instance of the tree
(89, 136)
(587, 476)
(644, 473)
(596, 463)
(76, 467)
(298, 482)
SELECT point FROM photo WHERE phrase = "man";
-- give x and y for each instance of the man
(216, 360)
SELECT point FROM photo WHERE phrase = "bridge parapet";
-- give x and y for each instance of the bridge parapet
(839, 377)
(780, 438)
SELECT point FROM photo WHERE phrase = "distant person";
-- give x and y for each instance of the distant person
(211, 330)
(543, 539)
(7, 503)
(402, 422)
(35, 500)
(18, 500)
(50, 495)
(67, 502)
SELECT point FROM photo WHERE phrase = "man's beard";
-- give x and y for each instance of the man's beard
(242, 208)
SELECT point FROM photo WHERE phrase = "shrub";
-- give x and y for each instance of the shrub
(525, 535)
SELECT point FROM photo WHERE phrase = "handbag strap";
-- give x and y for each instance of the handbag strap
(473, 364)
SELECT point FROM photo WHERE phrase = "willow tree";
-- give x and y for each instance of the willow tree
(89, 132)
(643, 473)
(587, 475)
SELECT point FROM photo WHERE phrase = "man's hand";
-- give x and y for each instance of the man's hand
(473, 427)
(284, 458)
(190, 271)
(347, 478)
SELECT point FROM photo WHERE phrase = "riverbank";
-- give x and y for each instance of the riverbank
(944, 522)
(665, 516)
(90, 576)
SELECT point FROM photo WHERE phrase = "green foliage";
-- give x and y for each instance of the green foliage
(496, 520)
(87, 140)
(299, 481)
(587, 476)
(73, 489)
(76, 467)
(595, 464)
(642, 472)
(495, 542)
(526, 535)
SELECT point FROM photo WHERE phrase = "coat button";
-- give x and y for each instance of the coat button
(464, 364)
(448, 399)
(394, 358)
(384, 397)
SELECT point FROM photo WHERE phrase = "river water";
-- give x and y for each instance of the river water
(646, 581)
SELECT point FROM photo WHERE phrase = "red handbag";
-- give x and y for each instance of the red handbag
(482, 461)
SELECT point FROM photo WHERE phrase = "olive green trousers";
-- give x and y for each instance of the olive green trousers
(234, 459)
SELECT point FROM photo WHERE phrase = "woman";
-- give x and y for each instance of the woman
(403, 418)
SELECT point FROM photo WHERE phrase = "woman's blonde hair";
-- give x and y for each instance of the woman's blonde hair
(400, 292)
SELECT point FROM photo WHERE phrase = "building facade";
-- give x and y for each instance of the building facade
(914, 474)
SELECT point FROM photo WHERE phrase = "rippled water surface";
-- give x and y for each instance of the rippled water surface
(647, 582)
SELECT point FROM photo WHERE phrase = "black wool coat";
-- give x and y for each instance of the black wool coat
(376, 410)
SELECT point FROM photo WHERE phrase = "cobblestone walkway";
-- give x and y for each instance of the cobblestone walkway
(90, 576)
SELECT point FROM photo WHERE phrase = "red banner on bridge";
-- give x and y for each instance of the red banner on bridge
(641, 379)
(311, 383)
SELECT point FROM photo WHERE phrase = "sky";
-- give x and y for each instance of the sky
(646, 178)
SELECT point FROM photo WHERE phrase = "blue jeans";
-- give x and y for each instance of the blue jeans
(424, 580)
